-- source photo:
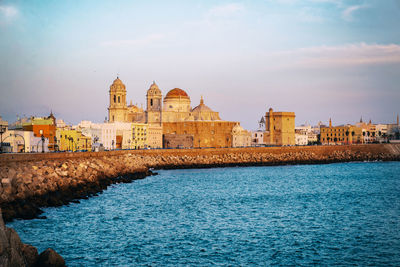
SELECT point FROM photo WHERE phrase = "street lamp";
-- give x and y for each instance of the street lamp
(55, 143)
(42, 137)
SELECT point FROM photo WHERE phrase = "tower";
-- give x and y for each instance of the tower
(269, 125)
(117, 110)
(153, 108)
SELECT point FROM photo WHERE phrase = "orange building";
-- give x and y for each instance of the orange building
(45, 127)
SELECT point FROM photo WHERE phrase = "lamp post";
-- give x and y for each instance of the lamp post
(55, 143)
(42, 137)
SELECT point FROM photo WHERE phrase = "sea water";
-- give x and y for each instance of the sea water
(335, 214)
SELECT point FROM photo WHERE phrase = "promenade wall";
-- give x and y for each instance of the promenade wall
(31, 181)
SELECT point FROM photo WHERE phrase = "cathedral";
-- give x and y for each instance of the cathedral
(175, 107)
(200, 125)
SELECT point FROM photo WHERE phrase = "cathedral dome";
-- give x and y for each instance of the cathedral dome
(202, 108)
(177, 93)
(204, 113)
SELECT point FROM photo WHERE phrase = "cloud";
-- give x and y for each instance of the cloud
(347, 14)
(147, 40)
(225, 10)
(8, 12)
(339, 56)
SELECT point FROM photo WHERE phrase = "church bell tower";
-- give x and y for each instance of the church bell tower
(153, 108)
(117, 110)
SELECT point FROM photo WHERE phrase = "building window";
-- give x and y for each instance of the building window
(119, 99)
(115, 98)
(151, 102)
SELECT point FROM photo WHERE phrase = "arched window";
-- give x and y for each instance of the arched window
(151, 102)
(119, 99)
(115, 98)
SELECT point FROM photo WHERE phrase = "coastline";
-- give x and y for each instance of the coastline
(32, 181)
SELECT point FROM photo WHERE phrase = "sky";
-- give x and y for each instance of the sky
(321, 59)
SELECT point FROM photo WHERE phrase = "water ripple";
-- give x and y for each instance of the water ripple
(337, 214)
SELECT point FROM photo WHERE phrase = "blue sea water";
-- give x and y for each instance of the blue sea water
(337, 214)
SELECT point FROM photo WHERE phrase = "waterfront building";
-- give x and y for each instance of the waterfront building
(279, 127)
(257, 138)
(3, 130)
(301, 138)
(381, 133)
(17, 141)
(170, 115)
(394, 131)
(154, 136)
(73, 140)
(138, 135)
(178, 141)
(205, 133)
(240, 137)
(43, 127)
(343, 134)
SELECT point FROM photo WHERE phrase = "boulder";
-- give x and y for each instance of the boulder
(50, 258)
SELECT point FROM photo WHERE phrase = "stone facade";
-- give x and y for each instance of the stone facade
(154, 136)
(279, 128)
(172, 113)
(177, 141)
(343, 134)
(205, 133)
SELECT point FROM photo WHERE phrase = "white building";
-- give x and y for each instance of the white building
(257, 138)
(301, 139)
(16, 141)
(240, 137)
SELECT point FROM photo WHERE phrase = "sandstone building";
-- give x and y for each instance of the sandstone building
(343, 134)
(172, 116)
(279, 127)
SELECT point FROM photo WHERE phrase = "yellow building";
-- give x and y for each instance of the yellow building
(139, 136)
(279, 128)
(73, 140)
(344, 134)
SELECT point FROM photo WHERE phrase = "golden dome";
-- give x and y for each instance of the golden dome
(117, 81)
(117, 85)
(177, 93)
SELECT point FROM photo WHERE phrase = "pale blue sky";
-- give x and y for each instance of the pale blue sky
(318, 58)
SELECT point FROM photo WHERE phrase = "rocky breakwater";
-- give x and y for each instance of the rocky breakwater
(26, 186)
(32, 181)
(271, 156)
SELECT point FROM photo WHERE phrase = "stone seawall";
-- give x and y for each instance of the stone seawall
(32, 181)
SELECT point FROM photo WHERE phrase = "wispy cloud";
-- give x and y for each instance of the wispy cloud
(347, 14)
(7, 14)
(338, 56)
(225, 10)
(8, 11)
(147, 40)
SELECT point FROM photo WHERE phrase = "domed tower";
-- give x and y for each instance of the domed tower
(117, 110)
(176, 106)
(153, 108)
